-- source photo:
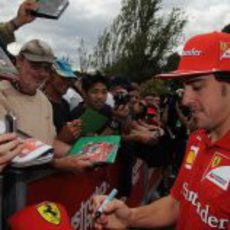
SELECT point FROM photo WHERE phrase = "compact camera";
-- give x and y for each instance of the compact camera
(10, 123)
(121, 99)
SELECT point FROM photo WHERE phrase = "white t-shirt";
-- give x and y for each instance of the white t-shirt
(73, 98)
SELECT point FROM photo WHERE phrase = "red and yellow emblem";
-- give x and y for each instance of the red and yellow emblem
(50, 212)
(216, 161)
(191, 157)
(224, 50)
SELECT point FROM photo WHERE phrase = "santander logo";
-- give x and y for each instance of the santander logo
(202, 210)
(192, 52)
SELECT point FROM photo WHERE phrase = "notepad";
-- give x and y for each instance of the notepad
(92, 121)
(34, 152)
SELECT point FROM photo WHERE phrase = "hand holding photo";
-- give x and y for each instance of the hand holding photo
(34, 152)
(100, 149)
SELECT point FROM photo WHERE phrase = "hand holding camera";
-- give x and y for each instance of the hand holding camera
(121, 110)
(121, 98)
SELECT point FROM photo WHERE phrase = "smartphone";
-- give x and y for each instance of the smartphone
(11, 123)
(50, 8)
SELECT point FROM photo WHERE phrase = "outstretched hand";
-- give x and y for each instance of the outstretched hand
(74, 163)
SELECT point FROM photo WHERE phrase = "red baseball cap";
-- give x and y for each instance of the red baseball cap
(45, 216)
(203, 54)
(151, 111)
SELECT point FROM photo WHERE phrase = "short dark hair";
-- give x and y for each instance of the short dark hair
(222, 76)
(120, 80)
(134, 86)
(89, 80)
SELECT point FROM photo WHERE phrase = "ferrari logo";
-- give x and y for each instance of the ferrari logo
(216, 161)
(50, 212)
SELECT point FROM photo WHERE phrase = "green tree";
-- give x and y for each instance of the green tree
(84, 57)
(226, 29)
(154, 86)
(170, 65)
(139, 40)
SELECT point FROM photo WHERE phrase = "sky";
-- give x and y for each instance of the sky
(86, 19)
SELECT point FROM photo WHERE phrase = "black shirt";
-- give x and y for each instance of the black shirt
(61, 114)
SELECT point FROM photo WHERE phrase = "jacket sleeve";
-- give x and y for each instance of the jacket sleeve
(6, 34)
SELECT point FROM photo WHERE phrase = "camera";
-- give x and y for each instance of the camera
(10, 123)
(121, 99)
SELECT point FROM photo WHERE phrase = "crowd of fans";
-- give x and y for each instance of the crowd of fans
(153, 127)
(42, 88)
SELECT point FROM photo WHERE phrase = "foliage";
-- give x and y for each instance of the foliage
(153, 86)
(84, 57)
(139, 40)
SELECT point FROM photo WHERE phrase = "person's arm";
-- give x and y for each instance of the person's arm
(143, 136)
(73, 163)
(23, 17)
(117, 215)
(60, 148)
(161, 213)
(120, 121)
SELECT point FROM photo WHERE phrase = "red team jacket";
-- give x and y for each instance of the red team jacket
(202, 186)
